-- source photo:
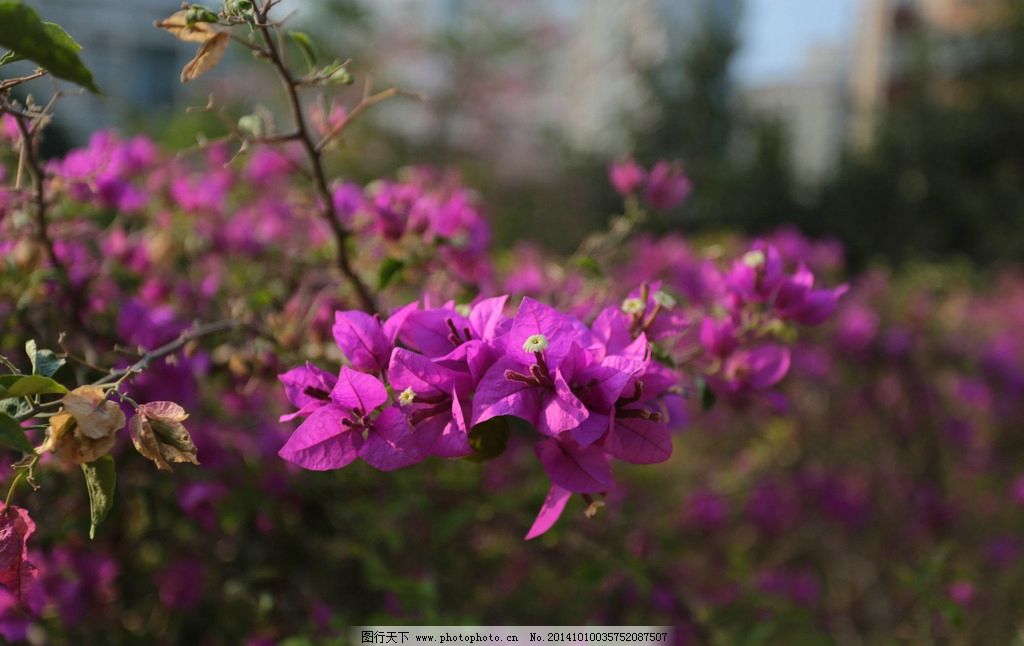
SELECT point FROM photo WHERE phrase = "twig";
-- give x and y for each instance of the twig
(168, 348)
(121, 374)
(8, 84)
(42, 226)
(327, 209)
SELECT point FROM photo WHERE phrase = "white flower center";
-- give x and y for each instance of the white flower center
(664, 299)
(754, 258)
(406, 397)
(632, 306)
(535, 343)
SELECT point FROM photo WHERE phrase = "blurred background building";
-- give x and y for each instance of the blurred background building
(135, 65)
(825, 114)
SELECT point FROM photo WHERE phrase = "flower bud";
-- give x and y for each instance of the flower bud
(197, 13)
(252, 125)
(664, 299)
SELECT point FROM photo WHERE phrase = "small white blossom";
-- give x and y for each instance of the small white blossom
(632, 306)
(535, 343)
(754, 258)
(406, 397)
(664, 299)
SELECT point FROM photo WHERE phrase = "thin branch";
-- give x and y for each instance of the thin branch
(364, 104)
(168, 348)
(305, 137)
(10, 83)
(42, 225)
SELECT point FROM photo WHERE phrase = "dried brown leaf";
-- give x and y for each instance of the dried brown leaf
(206, 58)
(177, 25)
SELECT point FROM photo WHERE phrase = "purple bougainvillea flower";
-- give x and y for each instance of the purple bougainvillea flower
(626, 176)
(429, 394)
(527, 382)
(718, 336)
(365, 341)
(654, 312)
(308, 388)
(756, 275)
(438, 331)
(349, 426)
(757, 368)
(667, 186)
(797, 300)
(348, 201)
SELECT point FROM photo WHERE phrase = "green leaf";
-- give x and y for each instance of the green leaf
(12, 435)
(45, 44)
(44, 362)
(56, 32)
(706, 395)
(28, 385)
(305, 44)
(100, 480)
(590, 266)
(488, 439)
(389, 270)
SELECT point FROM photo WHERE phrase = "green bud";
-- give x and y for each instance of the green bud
(198, 13)
(338, 73)
(238, 7)
(252, 125)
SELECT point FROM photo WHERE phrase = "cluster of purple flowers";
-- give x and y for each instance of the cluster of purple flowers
(759, 297)
(417, 384)
(663, 187)
(423, 209)
(420, 381)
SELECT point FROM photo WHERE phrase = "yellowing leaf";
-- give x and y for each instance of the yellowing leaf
(177, 25)
(206, 58)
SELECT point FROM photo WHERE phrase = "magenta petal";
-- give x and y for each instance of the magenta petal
(581, 469)
(321, 442)
(536, 318)
(479, 358)
(550, 511)
(358, 391)
(425, 377)
(444, 435)
(451, 442)
(393, 326)
(428, 331)
(454, 439)
(298, 381)
(768, 365)
(561, 410)
(496, 395)
(361, 340)
(486, 317)
(611, 330)
(591, 429)
(640, 441)
(390, 444)
(305, 411)
(604, 384)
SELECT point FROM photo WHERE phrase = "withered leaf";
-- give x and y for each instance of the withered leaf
(209, 54)
(177, 25)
